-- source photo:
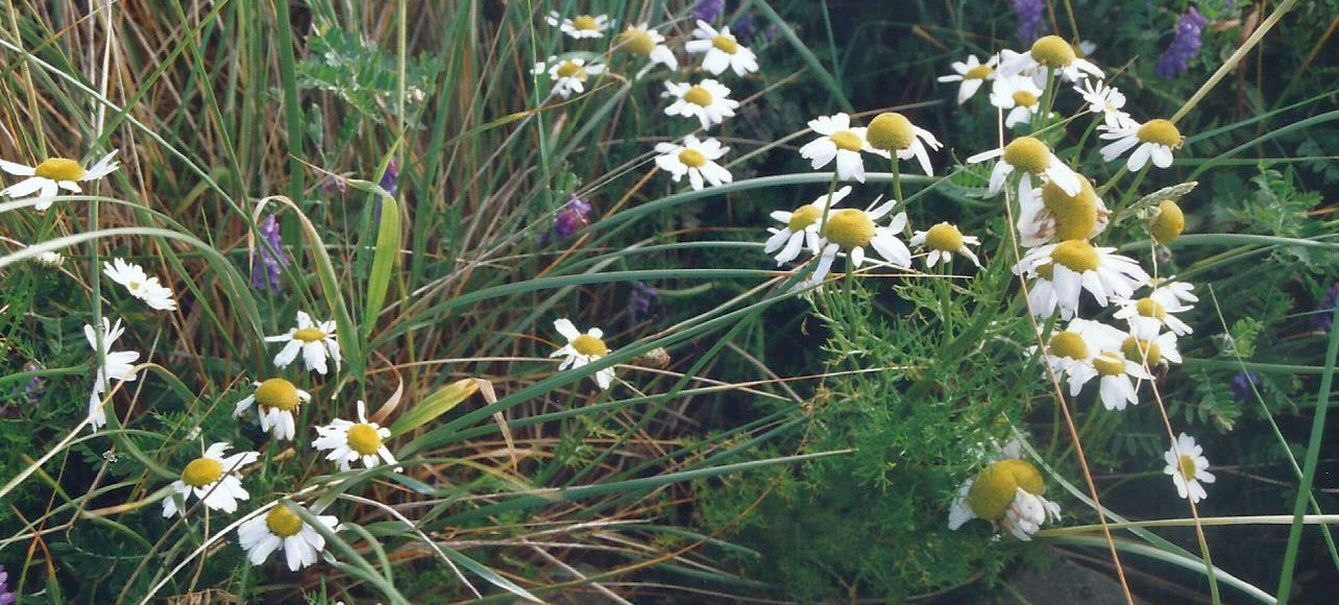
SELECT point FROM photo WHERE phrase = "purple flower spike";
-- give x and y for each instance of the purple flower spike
(1030, 14)
(709, 10)
(572, 218)
(391, 180)
(270, 258)
(1184, 47)
(643, 299)
(1242, 385)
(6, 597)
(1324, 317)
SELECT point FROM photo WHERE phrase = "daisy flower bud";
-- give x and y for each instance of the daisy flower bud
(1168, 224)
(892, 132)
(943, 241)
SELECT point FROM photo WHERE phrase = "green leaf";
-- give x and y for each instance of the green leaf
(435, 405)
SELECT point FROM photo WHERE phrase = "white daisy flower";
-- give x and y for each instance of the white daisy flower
(120, 366)
(849, 230)
(140, 285)
(943, 241)
(1010, 494)
(581, 26)
(1070, 352)
(722, 50)
(582, 349)
(840, 142)
(1148, 316)
(1030, 157)
(1065, 269)
(50, 258)
(1158, 349)
(277, 401)
(801, 228)
(53, 174)
(1188, 468)
(1019, 96)
(1049, 52)
(214, 478)
(355, 441)
(314, 340)
(1154, 139)
(709, 101)
(283, 528)
(568, 75)
(1119, 379)
(643, 41)
(892, 132)
(1169, 292)
(1105, 101)
(972, 73)
(1058, 216)
(695, 158)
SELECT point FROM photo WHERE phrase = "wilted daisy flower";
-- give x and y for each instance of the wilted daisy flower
(582, 349)
(849, 230)
(1010, 494)
(892, 132)
(1030, 157)
(1169, 292)
(1188, 468)
(1019, 95)
(1118, 381)
(1154, 139)
(643, 41)
(283, 528)
(722, 50)
(354, 441)
(214, 478)
(1104, 100)
(1075, 347)
(1059, 216)
(709, 101)
(943, 241)
(581, 26)
(840, 142)
(972, 74)
(1050, 53)
(140, 285)
(277, 402)
(568, 75)
(801, 228)
(1065, 269)
(53, 174)
(120, 365)
(314, 340)
(1148, 316)
(695, 158)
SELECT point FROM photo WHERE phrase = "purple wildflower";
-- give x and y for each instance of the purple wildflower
(6, 597)
(1029, 19)
(572, 218)
(643, 299)
(744, 28)
(1184, 47)
(270, 257)
(1244, 384)
(391, 180)
(709, 10)
(1324, 317)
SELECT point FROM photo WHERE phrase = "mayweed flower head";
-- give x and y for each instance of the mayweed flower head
(277, 401)
(1168, 224)
(892, 132)
(1105, 100)
(696, 158)
(643, 41)
(1188, 468)
(1323, 320)
(1029, 18)
(1154, 139)
(271, 258)
(709, 101)
(642, 300)
(1020, 96)
(842, 142)
(1243, 385)
(849, 230)
(972, 74)
(944, 240)
(573, 217)
(1048, 53)
(1029, 157)
(139, 284)
(1009, 493)
(213, 478)
(800, 227)
(7, 597)
(315, 340)
(582, 349)
(1184, 47)
(1059, 216)
(1062, 271)
(721, 51)
(581, 26)
(569, 76)
(708, 10)
(283, 529)
(363, 441)
(120, 366)
(53, 174)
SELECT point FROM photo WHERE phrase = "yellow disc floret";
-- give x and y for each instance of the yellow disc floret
(1109, 364)
(1168, 225)
(1150, 308)
(572, 69)
(1142, 350)
(1028, 154)
(944, 238)
(1025, 98)
(698, 96)
(637, 42)
(590, 346)
(283, 522)
(1077, 255)
(60, 169)
(726, 44)
(1053, 51)
(849, 228)
(277, 393)
(364, 439)
(803, 217)
(1076, 216)
(847, 140)
(1188, 467)
(692, 158)
(201, 472)
(1068, 344)
(1161, 132)
(980, 72)
(891, 131)
(585, 23)
(309, 334)
(997, 485)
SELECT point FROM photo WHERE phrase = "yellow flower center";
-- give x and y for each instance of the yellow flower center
(1028, 154)
(585, 23)
(201, 472)
(698, 96)
(726, 44)
(364, 439)
(1168, 225)
(803, 217)
(980, 72)
(1140, 350)
(590, 346)
(60, 169)
(1053, 51)
(944, 238)
(637, 42)
(692, 158)
(1109, 364)
(309, 335)
(1188, 468)
(1075, 216)
(891, 131)
(1150, 308)
(571, 69)
(1161, 132)
(277, 393)
(847, 140)
(997, 485)
(283, 522)
(1025, 98)
(849, 228)
(1077, 255)
(1068, 344)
